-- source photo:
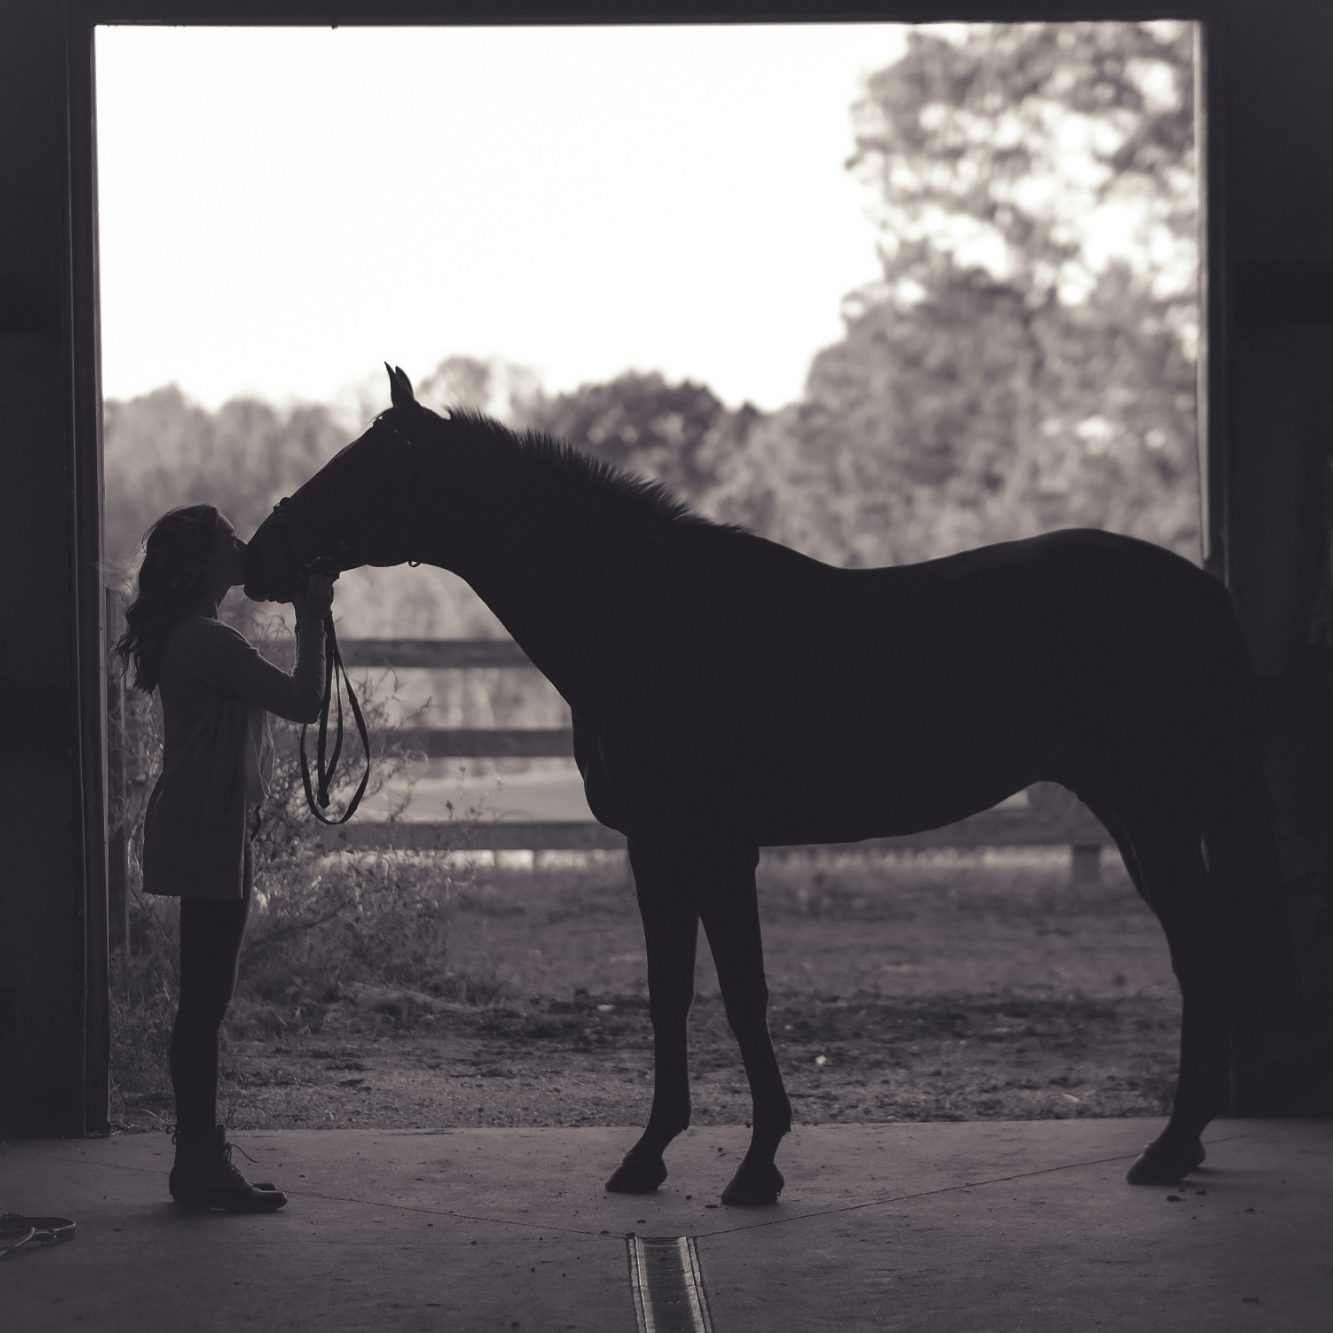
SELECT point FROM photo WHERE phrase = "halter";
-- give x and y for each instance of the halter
(411, 446)
(335, 683)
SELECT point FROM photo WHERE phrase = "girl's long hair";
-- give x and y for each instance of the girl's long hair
(178, 551)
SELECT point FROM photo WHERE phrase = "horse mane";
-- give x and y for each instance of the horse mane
(557, 460)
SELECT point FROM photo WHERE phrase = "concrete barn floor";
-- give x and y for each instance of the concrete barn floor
(939, 1227)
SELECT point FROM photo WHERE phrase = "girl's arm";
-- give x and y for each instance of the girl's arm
(228, 661)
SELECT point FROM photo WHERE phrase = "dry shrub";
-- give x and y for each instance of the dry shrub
(344, 919)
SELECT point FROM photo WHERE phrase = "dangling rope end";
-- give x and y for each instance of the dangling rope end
(335, 680)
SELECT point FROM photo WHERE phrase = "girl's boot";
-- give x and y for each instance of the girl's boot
(203, 1175)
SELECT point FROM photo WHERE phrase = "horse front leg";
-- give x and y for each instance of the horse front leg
(729, 907)
(670, 932)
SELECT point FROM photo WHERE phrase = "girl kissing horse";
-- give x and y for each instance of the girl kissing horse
(729, 694)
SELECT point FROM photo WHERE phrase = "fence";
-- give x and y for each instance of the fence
(1047, 816)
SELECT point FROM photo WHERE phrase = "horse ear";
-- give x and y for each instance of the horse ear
(400, 387)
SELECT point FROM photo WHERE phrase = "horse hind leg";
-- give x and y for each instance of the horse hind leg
(1164, 858)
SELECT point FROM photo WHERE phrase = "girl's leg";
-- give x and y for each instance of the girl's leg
(203, 1175)
(210, 942)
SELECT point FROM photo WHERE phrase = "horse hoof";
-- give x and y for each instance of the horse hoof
(753, 1186)
(637, 1175)
(1157, 1165)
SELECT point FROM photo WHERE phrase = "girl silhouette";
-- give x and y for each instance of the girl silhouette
(216, 691)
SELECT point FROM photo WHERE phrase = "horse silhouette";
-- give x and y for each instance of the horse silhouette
(729, 693)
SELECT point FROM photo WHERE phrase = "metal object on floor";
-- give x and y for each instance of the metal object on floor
(668, 1285)
(16, 1231)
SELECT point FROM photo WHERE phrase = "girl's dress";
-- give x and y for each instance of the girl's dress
(217, 690)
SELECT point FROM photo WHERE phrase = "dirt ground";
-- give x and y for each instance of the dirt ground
(936, 988)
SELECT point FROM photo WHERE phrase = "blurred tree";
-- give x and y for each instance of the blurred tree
(1018, 145)
(675, 433)
(1026, 360)
(493, 386)
(162, 450)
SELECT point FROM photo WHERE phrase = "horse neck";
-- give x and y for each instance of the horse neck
(567, 578)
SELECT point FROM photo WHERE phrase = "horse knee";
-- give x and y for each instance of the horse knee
(670, 1009)
(746, 1013)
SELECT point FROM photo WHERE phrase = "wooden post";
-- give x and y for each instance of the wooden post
(118, 833)
(1085, 864)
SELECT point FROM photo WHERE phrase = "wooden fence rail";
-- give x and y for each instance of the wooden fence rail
(1050, 816)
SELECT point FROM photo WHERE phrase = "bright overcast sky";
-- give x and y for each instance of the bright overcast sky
(281, 210)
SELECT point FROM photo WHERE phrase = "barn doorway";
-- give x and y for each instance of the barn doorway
(1052, 417)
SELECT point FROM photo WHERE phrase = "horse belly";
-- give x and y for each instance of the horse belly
(905, 769)
(850, 804)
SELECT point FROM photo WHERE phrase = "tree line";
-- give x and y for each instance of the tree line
(1024, 361)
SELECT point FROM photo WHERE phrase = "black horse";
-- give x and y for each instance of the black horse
(729, 693)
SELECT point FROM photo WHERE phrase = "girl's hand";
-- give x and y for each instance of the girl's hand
(314, 603)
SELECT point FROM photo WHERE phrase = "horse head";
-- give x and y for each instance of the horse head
(350, 513)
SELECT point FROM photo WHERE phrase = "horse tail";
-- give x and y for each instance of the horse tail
(1239, 825)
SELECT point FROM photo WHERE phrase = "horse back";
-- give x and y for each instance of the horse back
(826, 704)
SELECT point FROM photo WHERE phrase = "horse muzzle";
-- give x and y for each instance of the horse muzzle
(273, 571)
(266, 583)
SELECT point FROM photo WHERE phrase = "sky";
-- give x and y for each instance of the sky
(282, 210)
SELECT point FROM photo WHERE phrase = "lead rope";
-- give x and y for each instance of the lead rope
(335, 682)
